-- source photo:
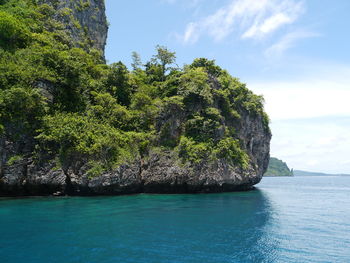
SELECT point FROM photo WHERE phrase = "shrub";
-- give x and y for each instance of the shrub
(23, 108)
(14, 159)
(193, 152)
(194, 87)
(13, 33)
(203, 128)
(230, 150)
(208, 65)
(76, 136)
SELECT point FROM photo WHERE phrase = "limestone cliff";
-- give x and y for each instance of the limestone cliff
(85, 21)
(222, 111)
(158, 172)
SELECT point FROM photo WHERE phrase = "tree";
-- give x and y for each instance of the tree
(117, 83)
(208, 65)
(136, 61)
(165, 57)
(13, 33)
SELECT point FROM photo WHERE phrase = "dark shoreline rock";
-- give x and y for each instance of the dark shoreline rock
(159, 173)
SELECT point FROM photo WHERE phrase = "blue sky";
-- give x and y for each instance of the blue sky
(294, 52)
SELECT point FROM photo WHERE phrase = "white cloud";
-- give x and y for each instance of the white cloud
(316, 144)
(250, 18)
(310, 118)
(305, 99)
(287, 41)
(269, 25)
(191, 34)
(274, 22)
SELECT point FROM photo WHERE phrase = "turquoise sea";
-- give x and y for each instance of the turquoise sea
(299, 219)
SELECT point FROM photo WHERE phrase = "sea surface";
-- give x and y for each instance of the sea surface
(292, 219)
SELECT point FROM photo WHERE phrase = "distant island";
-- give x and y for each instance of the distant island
(278, 168)
(304, 173)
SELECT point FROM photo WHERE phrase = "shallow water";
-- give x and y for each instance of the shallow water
(298, 219)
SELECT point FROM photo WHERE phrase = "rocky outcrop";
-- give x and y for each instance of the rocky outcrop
(162, 173)
(23, 178)
(158, 170)
(256, 138)
(85, 21)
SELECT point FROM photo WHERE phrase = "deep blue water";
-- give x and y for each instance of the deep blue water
(300, 219)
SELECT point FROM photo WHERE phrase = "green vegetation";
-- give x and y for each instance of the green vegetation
(13, 33)
(60, 100)
(14, 159)
(278, 168)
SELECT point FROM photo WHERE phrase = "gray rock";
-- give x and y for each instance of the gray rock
(256, 138)
(89, 20)
(164, 173)
(123, 180)
(23, 178)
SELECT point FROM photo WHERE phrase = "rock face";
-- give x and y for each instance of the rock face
(84, 20)
(162, 175)
(158, 171)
